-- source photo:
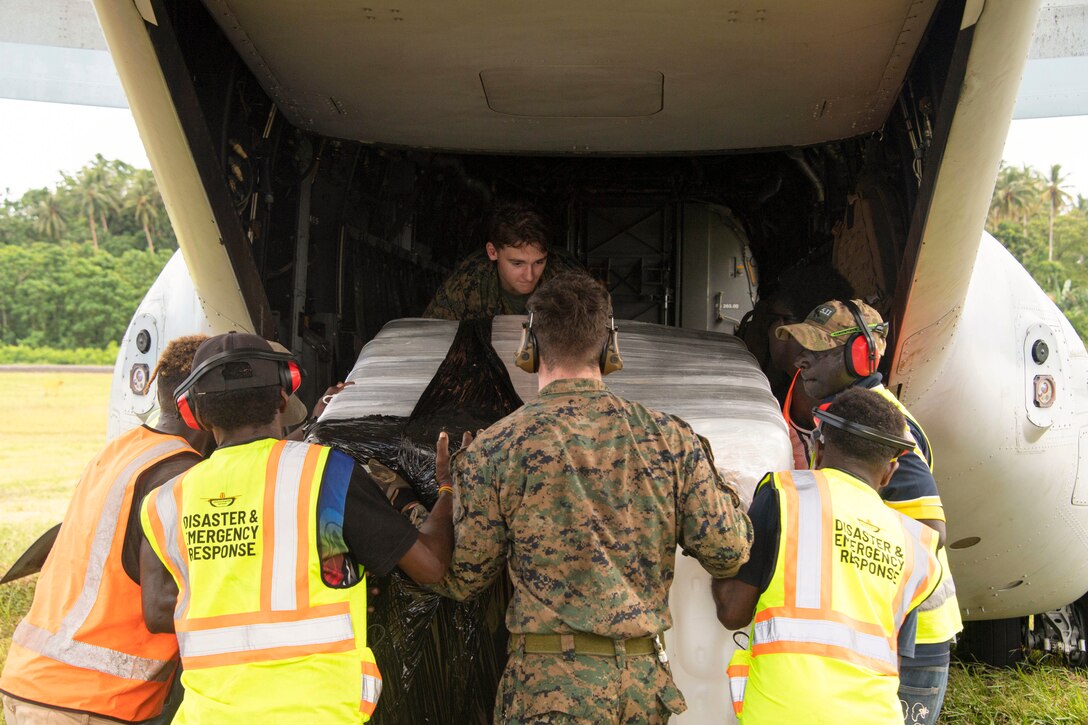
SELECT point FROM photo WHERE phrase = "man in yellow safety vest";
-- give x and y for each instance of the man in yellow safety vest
(831, 580)
(842, 343)
(267, 543)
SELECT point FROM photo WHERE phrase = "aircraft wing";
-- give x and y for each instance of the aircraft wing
(1055, 79)
(53, 50)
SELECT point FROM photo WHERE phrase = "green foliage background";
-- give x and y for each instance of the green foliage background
(76, 260)
(1034, 215)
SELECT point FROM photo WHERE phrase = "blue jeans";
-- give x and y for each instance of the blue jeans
(921, 693)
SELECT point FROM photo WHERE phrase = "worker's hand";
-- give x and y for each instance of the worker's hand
(397, 491)
(325, 399)
(442, 457)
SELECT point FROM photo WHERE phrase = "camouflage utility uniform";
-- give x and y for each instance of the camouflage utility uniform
(473, 290)
(584, 497)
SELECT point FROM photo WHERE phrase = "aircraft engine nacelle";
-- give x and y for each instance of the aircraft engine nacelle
(1006, 411)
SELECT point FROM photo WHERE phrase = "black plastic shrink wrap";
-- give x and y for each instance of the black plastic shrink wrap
(440, 660)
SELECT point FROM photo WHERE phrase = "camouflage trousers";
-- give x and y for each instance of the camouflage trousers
(560, 689)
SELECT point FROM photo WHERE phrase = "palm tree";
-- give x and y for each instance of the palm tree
(49, 221)
(1014, 195)
(143, 199)
(1054, 195)
(95, 197)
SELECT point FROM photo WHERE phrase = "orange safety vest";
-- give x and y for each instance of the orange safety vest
(824, 639)
(261, 636)
(84, 645)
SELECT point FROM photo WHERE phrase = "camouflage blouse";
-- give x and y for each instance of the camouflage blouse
(473, 290)
(584, 497)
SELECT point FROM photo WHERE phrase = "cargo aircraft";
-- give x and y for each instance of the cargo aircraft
(324, 165)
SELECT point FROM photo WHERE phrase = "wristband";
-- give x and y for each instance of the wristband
(441, 489)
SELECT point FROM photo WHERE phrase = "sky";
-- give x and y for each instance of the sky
(40, 140)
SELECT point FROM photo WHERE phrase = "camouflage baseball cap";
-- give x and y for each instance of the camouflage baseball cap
(831, 324)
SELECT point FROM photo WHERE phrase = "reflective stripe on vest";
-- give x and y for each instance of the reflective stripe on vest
(262, 636)
(372, 687)
(285, 505)
(871, 649)
(60, 645)
(918, 584)
(91, 657)
(738, 681)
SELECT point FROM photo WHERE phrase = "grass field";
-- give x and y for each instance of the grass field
(52, 424)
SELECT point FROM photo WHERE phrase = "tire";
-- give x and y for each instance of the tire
(995, 642)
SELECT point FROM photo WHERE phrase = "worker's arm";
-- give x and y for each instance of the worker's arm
(429, 558)
(480, 531)
(713, 528)
(377, 535)
(735, 602)
(735, 598)
(939, 526)
(158, 591)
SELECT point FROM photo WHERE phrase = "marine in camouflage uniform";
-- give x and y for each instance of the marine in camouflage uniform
(474, 291)
(583, 497)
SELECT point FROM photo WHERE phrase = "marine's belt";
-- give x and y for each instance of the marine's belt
(582, 643)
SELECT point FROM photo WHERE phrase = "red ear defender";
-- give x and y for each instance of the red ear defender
(186, 411)
(858, 359)
(295, 376)
(860, 351)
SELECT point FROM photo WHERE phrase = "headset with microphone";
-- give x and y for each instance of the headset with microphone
(527, 356)
(290, 378)
(900, 444)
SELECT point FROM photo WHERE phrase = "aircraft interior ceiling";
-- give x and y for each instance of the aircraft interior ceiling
(623, 78)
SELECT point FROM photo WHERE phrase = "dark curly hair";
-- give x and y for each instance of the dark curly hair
(175, 364)
(869, 409)
(570, 319)
(516, 224)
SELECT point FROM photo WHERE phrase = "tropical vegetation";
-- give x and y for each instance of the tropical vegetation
(1035, 216)
(76, 259)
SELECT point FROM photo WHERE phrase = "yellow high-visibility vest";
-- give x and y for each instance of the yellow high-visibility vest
(262, 638)
(939, 617)
(823, 644)
(83, 645)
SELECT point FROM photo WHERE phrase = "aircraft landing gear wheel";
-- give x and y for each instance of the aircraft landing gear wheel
(994, 642)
